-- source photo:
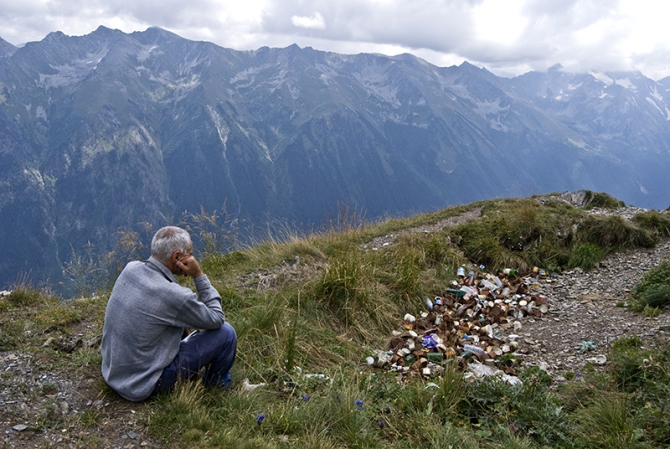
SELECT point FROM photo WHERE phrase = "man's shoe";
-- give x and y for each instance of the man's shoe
(227, 381)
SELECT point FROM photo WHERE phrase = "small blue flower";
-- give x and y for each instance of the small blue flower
(359, 403)
(260, 418)
(305, 398)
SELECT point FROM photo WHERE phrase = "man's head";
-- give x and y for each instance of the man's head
(169, 240)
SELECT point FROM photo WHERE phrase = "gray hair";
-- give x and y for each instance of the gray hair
(168, 240)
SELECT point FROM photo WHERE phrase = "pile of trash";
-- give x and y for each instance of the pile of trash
(465, 324)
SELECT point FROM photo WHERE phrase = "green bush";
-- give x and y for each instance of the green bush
(24, 297)
(627, 367)
(653, 290)
(342, 288)
(657, 222)
(585, 255)
(606, 423)
(613, 232)
(7, 341)
(529, 408)
(656, 296)
(599, 199)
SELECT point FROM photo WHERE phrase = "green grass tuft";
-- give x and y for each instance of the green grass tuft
(606, 423)
(613, 232)
(585, 256)
(653, 290)
(599, 199)
(657, 222)
(23, 296)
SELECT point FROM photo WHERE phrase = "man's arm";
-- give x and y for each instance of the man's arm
(207, 294)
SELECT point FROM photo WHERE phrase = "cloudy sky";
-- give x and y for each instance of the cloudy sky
(508, 37)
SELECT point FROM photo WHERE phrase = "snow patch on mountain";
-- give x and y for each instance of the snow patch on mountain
(654, 93)
(625, 82)
(69, 74)
(328, 74)
(145, 51)
(246, 77)
(653, 103)
(602, 78)
(40, 112)
(493, 111)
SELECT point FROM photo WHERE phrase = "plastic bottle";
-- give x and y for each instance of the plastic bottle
(474, 349)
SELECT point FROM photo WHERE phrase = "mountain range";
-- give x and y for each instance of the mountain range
(111, 130)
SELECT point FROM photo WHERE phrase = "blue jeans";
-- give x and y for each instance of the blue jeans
(212, 349)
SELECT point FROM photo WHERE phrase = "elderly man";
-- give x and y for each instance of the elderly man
(147, 313)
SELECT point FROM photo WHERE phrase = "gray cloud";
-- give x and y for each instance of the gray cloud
(580, 34)
(549, 35)
(434, 25)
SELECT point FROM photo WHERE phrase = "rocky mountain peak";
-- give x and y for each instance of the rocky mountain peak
(6, 49)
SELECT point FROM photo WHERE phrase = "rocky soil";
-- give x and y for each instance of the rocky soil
(587, 307)
(43, 406)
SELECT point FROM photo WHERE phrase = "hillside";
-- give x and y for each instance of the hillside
(111, 132)
(309, 311)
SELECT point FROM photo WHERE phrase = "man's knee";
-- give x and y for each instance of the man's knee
(227, 334)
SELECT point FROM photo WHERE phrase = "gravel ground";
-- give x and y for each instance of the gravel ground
(44, 407)
(586, 306)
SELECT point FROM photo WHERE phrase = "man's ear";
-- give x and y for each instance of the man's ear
(172, 262)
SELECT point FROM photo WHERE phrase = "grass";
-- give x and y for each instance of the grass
(523, 233)
(600, 199)
(606, 423)
(657, 222)
(328, 300)
(585, 255)
(652, 293)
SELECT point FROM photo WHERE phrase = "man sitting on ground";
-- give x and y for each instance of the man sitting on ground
(142, 348)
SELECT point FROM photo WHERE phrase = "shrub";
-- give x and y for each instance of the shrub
(654, 221)
(606, 423)
(7, 341)
(24, 297)
(613, 232)
(627, 363)
(654, 288)
(599, 199)
(342, 286)
(585, 255)
(528, 408)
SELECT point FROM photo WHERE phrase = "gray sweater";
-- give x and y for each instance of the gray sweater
(144, 321)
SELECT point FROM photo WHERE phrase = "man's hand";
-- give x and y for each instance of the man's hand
(189, 266)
